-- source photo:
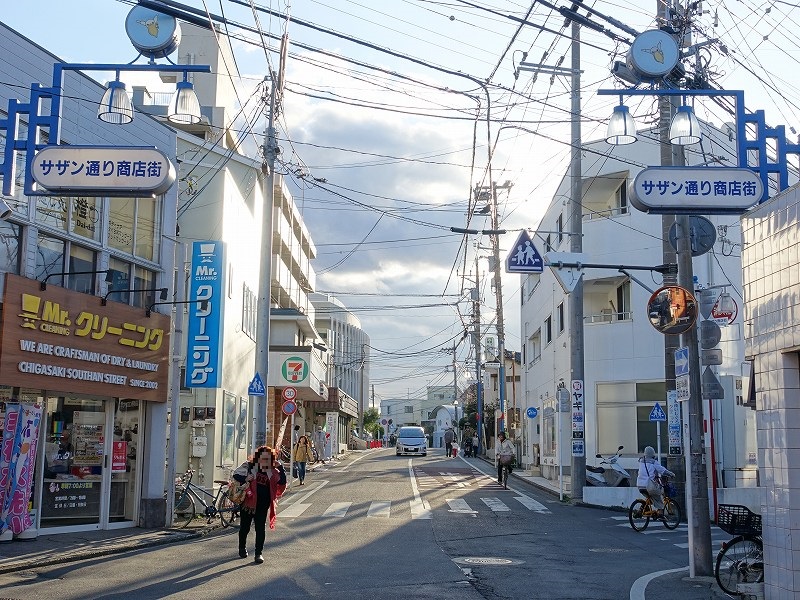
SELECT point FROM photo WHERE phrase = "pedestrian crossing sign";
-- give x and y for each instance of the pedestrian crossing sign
(658, 414)
(524, 257)
(256, 387)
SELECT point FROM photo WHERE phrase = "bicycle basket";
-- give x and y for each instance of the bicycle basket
(736, 519)
(506, 459)
(670, 490)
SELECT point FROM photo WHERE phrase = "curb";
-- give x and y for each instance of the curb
(173, 536)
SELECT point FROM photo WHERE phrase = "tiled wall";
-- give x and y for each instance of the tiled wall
(771, 278)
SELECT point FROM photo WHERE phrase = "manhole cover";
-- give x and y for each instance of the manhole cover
(609, 550)
(487, 560)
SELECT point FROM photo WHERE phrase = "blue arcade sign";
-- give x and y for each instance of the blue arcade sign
(524, 257)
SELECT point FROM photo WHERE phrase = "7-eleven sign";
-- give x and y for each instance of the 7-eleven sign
(294, 369)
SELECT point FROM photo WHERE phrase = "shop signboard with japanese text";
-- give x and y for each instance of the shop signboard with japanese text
(58, 339)
(204, 353)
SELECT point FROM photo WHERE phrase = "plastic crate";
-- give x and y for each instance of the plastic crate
(736, 519)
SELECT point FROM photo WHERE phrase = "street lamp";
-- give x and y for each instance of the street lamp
(621, 127)
(685, 128)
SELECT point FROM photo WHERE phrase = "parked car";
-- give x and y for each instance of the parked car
(412, 440)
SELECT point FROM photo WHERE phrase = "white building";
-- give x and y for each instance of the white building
(221, 197)
(348, 358)
(624, 368)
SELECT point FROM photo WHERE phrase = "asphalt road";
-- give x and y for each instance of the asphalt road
(381, 526)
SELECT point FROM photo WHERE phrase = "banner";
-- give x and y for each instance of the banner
(19, 453)
(204, 353)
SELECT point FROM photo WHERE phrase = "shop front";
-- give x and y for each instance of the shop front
(89, 370)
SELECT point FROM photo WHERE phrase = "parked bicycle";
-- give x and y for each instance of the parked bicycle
(217, 504)
(642, 509)
(740, 560)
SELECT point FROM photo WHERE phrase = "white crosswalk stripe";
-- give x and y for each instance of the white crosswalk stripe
(532, 504)
(337, 509)
(293, 510)
(459, 505)
(495, 504)
(380, 509)
(420, 509)
(657, 528)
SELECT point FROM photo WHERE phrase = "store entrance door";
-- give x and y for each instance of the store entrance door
(74, 478)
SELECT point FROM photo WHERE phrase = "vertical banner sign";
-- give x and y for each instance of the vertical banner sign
(203, 352)
(331, 434)
(674, 423)
(18, 465)
(577, 399)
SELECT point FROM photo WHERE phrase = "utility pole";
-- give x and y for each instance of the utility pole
(700, 562)
(261, 403)
(578, 464)
(498, 294)
(476, 315)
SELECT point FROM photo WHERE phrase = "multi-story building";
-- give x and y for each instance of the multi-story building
(222, 198)
(624, 355)
(97, 361)
(348, 360)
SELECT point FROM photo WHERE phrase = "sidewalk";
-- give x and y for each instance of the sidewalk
(53, 549)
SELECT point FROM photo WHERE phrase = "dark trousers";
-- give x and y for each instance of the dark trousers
(500, 471)
(260, 518)
(448, 449)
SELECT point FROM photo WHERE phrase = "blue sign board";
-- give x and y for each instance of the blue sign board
(531, 412)
(257, 387)
(682, 361)
(204, 351)
(658, 414)
(524, 257)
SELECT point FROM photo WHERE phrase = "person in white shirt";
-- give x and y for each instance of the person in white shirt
(504, 448)
(649, 479)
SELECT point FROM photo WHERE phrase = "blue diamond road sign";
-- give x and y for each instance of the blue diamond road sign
(524, 257)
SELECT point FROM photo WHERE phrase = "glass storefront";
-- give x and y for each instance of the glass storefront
(89, 477)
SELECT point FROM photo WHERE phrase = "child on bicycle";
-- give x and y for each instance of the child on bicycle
(649, 478)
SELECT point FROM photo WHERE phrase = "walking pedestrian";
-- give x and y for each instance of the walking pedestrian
(449, 436)
(301, 455)
(261, 472)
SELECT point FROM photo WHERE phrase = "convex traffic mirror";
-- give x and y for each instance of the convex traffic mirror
(672, 310)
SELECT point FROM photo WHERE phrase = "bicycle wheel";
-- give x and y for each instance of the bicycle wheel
(638, 515)
(228, 511)
(740, 561)
(505, 478)
(184, 509)
(672, 514)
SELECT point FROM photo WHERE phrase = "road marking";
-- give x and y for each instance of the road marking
(495, 504)
(419, 508)
(379, 509)
(532, 504)
(459, 505)
(337, 509)
(296, 499)
(640, 585)
(293, 510)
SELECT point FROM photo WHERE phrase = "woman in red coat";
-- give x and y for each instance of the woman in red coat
(267, 483)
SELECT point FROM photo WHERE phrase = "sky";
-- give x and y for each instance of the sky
(383, 135)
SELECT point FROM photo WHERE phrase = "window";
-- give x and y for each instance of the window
(548, 330)
(622, 199)
(624, 300)
(9, 247)
(548, 244)
(85, 217)
(620, 407)
(134, 226)
(249, 312)
(49, 259)
(560, 313)
(560, 228)
(535, 345)
(119, 271)
(144, 281)
(80, 260)
(409, 410)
